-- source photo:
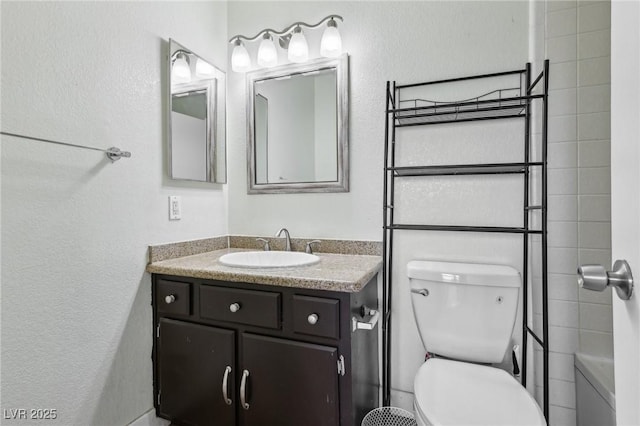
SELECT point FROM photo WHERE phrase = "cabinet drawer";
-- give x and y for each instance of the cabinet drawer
(250, 307)
(316, 316)
(173, 297)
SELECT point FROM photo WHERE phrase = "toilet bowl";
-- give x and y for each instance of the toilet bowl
(465, 313)
(459, 393)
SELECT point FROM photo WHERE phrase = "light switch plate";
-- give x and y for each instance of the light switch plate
(175, 207)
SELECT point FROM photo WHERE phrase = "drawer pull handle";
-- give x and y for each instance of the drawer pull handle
(366, 325)
(170, 299)
(234, 307)
(225, 386)
(243, 390)
(312, 319)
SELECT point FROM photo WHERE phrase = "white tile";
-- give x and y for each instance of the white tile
(562, 260)
(596, 235)
(595, 180)
(594, 71)
(596, 317)
(593, 208)
(595, 257)
(562, 234)
(594, 44)
(563, 102)
(562, 416)
(560, 4)
(563, 314)
(562, 393)
(562, 22)
(561, 366)
(562, 181)
(563, 340)
(596, 343)
(562, 155)
(596, 153)
(563, 75)
(594, 17)
(562, 128)
(562, 207)
(562, 49)
(594, 126)
(601, 297)
(594, 99)
(563, 287)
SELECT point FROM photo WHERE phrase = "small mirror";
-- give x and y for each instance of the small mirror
(196, 133)
(298, 128)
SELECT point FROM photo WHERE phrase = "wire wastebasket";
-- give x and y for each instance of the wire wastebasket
(389, 416)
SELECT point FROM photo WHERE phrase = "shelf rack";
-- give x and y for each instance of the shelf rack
(503, 103)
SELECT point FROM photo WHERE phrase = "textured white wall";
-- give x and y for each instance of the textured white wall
(407, 42)
(403, 41)
(76, 320)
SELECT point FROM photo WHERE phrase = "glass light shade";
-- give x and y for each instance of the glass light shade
(181, 69)
(240, 61)
(298, 47)
(267, 54)
(331, 43)
(204, 69)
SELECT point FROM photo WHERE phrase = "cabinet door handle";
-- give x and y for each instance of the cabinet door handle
(234, 307)
(243, 390)
(170, 299)
(312, 319)
(225, 386)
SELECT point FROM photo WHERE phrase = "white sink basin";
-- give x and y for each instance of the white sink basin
(268, 259)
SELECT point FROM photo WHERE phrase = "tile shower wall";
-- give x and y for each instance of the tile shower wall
(575, 36)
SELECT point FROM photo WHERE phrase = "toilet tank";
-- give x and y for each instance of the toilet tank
(464, 311)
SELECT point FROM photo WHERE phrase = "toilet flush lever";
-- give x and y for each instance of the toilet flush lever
(596, 278)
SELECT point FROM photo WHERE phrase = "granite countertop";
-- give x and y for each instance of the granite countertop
(334, 272)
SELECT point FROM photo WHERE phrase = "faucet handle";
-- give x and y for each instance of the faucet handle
(309, 249)
(267, 247)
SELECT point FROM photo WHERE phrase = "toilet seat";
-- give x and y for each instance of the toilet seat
(459, 393)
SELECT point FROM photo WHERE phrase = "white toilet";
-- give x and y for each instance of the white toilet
(465, 313)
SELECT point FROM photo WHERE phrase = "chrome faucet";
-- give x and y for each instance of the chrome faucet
(287, 236)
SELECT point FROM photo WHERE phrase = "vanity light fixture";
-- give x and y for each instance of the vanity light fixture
(240, 60)
(267, 53)
(331, 43)
(292, 39)
(298, 48)
(181, 66)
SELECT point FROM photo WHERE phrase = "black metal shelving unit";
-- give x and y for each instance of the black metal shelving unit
(502, 103)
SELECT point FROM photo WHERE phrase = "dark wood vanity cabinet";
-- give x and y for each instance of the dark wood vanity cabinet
(256, 355)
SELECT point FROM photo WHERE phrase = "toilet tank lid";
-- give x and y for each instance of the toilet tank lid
(464, 273)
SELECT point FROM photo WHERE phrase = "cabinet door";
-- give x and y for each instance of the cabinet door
(289, 383)
(192, 364)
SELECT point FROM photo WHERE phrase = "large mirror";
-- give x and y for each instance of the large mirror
(196, 119)
(298, 128)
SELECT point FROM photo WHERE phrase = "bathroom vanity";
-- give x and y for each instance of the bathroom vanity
(276, 346)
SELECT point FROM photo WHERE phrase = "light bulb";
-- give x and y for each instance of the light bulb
(331, 43)
(204, 69)
(181, 69)
(298, 47)
(240, 61)
(267, 54)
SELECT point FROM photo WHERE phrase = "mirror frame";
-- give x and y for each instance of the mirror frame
(216, 118)
(341, 65)
(210, 88)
